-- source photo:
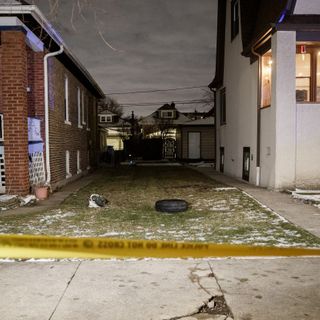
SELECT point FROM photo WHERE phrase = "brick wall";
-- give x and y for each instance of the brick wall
(14, 109)
(21, 68)
(68, 136)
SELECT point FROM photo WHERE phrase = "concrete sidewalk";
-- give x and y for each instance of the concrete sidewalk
(303, 215)
(242, 289)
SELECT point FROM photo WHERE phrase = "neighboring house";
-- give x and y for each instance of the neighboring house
(196, 140)
(183, 138)
(163, 119)
(113, 130)
(267, 88)
(48, 104)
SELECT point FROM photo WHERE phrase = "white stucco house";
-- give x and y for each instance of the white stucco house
(267, 86)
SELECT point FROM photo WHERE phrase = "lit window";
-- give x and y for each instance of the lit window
(223, 116)
(266, 79)
(307, 73)
(234, 18)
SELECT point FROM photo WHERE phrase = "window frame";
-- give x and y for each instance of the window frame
(79, 107)
(1, 129)
(235, 19)
(165, 114)
(262, 105)
(313, 50)
(66, 100)
(83, 120)
(68, 167)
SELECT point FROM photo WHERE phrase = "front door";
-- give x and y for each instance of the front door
(169, 148)
(194, 145)
(246, 164)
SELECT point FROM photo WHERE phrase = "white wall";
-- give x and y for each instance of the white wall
(240, 80)
(283, 102)
(307, 7)
(308, 145)
(267, 147)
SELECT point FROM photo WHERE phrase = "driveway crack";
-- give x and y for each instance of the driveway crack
(216, 305)
(65, 290)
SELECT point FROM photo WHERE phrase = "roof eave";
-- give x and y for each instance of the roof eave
(46, 25)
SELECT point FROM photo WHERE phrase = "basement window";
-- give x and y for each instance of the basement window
(78, 162)
(68, 173)
(266, 79)
(308, 72)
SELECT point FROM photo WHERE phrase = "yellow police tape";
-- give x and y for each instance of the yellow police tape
(31, 246)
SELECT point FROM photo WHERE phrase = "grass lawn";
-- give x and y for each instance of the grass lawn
(216, 214)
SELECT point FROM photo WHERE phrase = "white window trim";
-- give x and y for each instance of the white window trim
(66, 99)
(83, 108)
(68, 173)
(163, 112)
(79, 107)
(108, 118)
(78, 162)
(1, 132)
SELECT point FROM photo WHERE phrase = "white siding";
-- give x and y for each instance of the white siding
(307, 7)
(283, 104)
(308, 145)
(240, 80)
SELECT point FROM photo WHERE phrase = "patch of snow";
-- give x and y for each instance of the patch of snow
(225, 189)
(7, 197)
(309, 197)
(113, 233)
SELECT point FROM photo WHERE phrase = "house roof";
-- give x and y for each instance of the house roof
(107, 112)
(209, 121)
(36, 22)
(152, 118)
(258, 19)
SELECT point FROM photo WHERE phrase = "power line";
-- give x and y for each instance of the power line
(146, 104)
(157, 90)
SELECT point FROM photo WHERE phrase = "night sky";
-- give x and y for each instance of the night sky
(156, 44)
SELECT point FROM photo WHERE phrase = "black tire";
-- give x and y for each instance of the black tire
(171, 205)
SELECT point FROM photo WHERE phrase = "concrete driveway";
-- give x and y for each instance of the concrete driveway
(244, 289)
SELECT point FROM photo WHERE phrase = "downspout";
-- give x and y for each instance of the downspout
(258, 168)
(46, 111)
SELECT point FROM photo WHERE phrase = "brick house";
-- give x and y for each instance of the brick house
(48, 105)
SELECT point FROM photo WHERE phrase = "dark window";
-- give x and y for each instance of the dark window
(234, 18)
(221, 159)
(308, 73)
(223, 106)
(246, 164)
